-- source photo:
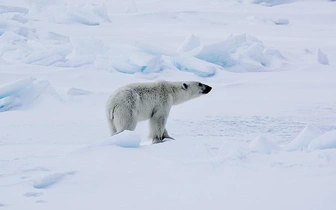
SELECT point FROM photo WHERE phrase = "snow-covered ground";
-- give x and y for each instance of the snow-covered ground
(263, 138)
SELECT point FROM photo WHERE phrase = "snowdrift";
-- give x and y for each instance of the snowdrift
(23, 92)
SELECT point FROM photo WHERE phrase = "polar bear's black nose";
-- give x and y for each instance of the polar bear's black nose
(207, 89)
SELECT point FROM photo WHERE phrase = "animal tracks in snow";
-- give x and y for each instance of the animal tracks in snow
(51, 179)
(33, 194)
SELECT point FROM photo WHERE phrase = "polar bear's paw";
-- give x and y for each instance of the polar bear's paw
(157, 140)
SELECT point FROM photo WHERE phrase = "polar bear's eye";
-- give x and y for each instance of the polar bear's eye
(185, 86)
(199, 84)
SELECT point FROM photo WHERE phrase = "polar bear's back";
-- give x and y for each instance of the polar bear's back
(141, 97)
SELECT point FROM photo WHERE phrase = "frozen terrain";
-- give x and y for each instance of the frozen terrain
(263, 138)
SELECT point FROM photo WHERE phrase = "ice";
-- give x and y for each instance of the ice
(50, 60)
(125, 65)
(14, 9)
(23, 92)
(15, 87)
(322, 58)
(151, 49)
(9, 36)
(131, 8)
(78, 92)
(55, 37)
(262, 145)
(9, 102)
(27, 32)
(280, 21)
(241, 53)
(304, 138)
(19, 18)
(60, 12)
(154, 65)
(77, 16)
(271, 2)
(52, 11)
(33, 50)
(190, 43)
(267, 20)
(194, 65)
(88, 46)
(44, 57)
(325, 141)
(127, 139)
(88, 14)
(85, 50)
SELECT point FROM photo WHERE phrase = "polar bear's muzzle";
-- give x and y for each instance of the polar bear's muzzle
(207, 89)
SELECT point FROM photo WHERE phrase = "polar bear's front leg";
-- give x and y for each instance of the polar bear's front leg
(157, 128)
(157, 125)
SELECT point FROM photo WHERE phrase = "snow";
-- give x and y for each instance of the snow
(196, 66)
(60, 12)
(262, 145)
(48, 181)
(322, 58)
(325, 141)
(190, 43)
(263, 138)
(131, 8)
(78, 92)
(23, 92)
(304, 138)
(281, 21)
(271, 2)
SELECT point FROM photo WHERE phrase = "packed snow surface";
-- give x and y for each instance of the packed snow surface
(263, 138)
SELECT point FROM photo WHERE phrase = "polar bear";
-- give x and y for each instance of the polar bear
(149, 101)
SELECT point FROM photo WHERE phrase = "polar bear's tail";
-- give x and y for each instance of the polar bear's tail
(109, 115)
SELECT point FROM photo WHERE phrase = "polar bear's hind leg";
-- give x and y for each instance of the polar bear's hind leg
(124, 119)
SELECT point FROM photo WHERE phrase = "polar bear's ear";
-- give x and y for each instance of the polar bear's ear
(184, 86)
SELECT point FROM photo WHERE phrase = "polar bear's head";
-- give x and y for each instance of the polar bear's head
(196, 88)
(190, 90)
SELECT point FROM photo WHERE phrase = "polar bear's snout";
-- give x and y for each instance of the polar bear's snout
(207, 89)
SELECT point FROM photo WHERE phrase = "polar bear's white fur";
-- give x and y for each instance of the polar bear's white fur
(142, 101)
